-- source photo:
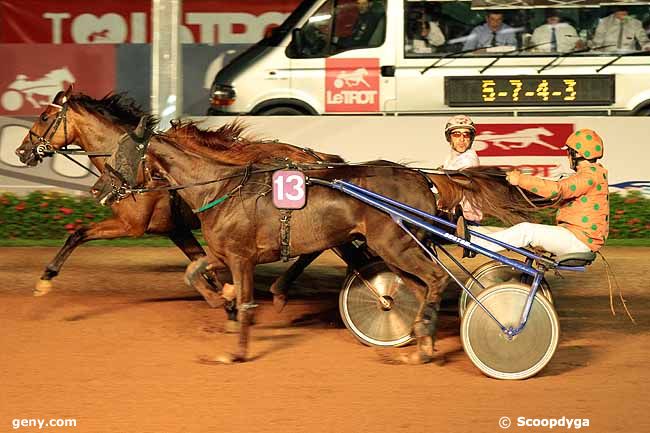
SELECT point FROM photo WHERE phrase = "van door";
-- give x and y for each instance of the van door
(342, 58)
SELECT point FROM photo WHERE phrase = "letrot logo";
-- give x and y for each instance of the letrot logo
(522, 139)
(352, 78)
(533, 148)
(37, 92)
(351, 85)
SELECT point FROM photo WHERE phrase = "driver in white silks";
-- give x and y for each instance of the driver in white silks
(460, 132)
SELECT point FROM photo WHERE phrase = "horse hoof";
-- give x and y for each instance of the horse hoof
(43, 287)
(229, 292)
(417, 358)
(413, 358)
(223, 359)
(279, 302)
(214, 300)
(231, 327)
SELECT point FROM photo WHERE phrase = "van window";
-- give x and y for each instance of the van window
(435, 29)
(341, 25)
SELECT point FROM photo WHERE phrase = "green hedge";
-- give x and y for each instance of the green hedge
(46, 215)
(53, 216)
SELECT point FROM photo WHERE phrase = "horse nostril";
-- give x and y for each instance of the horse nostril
(94, 191)
(20, 151)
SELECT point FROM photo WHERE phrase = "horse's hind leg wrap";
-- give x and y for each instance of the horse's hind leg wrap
(194, 269)
(426, 325)
(194, 277)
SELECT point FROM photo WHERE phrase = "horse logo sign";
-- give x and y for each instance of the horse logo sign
(522, 139)
(351, 85)
(32, 76)
(38, 92)
(350, 79)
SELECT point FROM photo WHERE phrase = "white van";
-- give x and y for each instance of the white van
(444, 57)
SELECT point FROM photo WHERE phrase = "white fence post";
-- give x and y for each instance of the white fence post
(166, 64)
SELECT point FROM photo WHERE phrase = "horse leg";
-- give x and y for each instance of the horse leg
(187, 243)
(108, 229)
(44, 285)
(195, 277)
(355, 257)
(242, 273)
(280, 287)
(243, 278)
(406, 258)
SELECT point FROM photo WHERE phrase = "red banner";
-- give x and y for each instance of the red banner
(521, 139)
(116, 21)
(32, 76)
(351, 85)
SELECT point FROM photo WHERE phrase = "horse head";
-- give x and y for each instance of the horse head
(123, 167)
(46, 134)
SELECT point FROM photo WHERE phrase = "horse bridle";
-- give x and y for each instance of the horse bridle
(43, 145)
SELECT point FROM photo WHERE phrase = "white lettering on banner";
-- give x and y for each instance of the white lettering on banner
(109, 28)
(57, 30)
(232, 28)
(254, 26)
(352, 97)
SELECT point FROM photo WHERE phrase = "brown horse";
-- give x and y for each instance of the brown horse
(96, 126)
(242, 230)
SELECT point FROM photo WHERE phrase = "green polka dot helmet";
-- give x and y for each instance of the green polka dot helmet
(586, 143)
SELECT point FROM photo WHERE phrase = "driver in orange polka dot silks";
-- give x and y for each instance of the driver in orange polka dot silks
(584, 207)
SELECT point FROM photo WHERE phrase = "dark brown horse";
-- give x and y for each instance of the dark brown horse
(96, 126)
(242, 231)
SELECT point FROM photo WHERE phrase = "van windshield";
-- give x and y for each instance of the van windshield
(474, 28)
(341, 25)
(278, 34)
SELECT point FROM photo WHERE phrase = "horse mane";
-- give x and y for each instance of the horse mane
(487, 189)
(232, 144)
(116, 107)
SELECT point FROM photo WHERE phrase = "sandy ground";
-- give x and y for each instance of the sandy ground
(116, 345)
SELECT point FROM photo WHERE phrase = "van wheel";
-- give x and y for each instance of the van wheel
(280, 111)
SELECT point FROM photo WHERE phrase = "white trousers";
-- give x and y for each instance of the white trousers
(554, 239)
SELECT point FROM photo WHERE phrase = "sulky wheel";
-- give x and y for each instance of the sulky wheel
(491, 273)
(382, 314)
(492, 351)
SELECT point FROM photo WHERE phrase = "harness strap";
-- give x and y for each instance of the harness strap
(212, 204)
(285, 234)
(245, 177)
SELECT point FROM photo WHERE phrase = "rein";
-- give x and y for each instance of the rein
(304, 167)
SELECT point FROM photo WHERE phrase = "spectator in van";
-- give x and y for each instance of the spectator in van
(620, 32)
(423, 32)
(371, 15)
(494, 32)
(555, 36)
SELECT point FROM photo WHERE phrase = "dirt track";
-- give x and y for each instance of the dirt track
(115, 347)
